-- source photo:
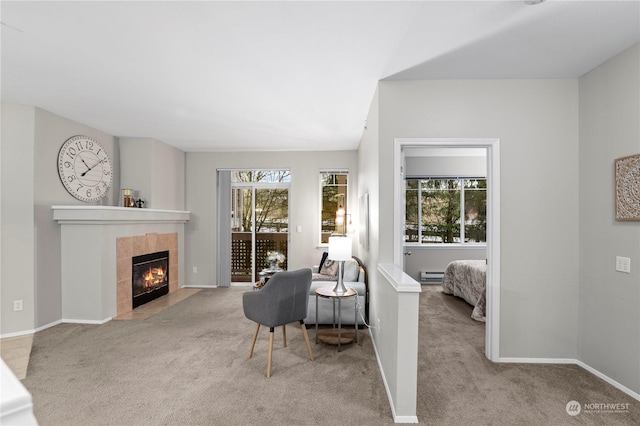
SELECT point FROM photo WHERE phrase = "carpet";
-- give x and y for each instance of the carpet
(187, 365)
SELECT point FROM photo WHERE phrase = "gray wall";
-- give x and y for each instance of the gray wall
(304, 201)
(31, 140)
(155, 170)
(30, 255)
(537, 124)
(17, 252)
(436, 259)
(609, 318)
(51, 132)
(445, 166)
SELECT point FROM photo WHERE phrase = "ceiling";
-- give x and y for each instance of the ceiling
(297, 75)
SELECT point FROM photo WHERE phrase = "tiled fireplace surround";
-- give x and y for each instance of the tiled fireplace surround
(99, 242)
(128, 247)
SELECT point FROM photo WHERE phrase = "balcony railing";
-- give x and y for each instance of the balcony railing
(241, 253)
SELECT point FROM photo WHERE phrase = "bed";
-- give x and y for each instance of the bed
(467, 279)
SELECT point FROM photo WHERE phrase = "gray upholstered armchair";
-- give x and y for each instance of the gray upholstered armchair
(282, 300)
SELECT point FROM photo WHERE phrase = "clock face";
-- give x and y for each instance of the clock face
(85, 168)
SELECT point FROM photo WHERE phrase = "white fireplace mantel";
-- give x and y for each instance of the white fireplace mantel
(88, 239)
(94, 215)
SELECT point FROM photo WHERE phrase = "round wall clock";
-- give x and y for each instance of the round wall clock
(85, 168)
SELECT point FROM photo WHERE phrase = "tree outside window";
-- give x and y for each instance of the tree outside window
(272, 204)
(333, 196)
(444, 205)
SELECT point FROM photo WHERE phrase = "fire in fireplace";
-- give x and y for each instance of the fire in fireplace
(150, 277)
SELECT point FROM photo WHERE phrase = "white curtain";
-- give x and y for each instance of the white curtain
(223, 252)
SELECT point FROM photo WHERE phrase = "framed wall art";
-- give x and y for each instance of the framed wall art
(627, 171)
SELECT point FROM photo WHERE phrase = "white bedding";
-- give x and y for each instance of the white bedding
(467, 279)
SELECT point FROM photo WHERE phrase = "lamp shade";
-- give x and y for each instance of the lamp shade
(339, 248)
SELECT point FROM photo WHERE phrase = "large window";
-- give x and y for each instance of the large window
(259, 221)
(333, 193)
(446, 211)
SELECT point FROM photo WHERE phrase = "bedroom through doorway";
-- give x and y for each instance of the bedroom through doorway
(447, 210)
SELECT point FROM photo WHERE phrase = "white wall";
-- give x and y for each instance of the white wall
(537, 124)
(304, 199)
(609, 318)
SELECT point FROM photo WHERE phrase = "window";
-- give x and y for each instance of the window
(333, 193)
(436, 208)
(261, 176)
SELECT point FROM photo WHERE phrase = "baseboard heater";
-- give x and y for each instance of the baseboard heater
(431, 277)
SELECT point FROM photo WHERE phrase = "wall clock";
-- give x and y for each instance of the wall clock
(85, 168)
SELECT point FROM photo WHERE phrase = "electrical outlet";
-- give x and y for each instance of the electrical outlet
(17, 305)
(195, 269)
(623, 264)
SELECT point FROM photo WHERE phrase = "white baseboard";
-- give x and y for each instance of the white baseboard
(83, 321)
(17, 334)
(199, 286)
(51, 324)
(27, 332)
(396, 418)
(609, 380)
(579, 363)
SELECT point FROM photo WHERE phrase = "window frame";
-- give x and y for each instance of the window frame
(443, 245)
(321, 174)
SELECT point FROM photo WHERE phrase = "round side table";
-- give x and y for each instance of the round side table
(335, 336)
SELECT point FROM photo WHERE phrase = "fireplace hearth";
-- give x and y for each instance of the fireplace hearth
(150, 277)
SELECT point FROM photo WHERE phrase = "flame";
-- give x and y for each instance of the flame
(153, 276)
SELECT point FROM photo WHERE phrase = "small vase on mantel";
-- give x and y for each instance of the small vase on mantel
(273, 265)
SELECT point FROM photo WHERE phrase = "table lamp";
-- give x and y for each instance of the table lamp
(339, 250)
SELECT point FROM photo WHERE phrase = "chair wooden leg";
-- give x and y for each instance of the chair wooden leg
(270, 352)
(306, 339)
(253, 342)
(284, 334)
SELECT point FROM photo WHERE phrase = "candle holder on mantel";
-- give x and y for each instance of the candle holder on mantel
(127, 198)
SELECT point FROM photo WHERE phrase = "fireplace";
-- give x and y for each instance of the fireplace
(150, 277)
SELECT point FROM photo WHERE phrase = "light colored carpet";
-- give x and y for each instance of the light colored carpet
(188, 365)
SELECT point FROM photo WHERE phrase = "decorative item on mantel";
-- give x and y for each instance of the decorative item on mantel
(127, 198)
(275, 258)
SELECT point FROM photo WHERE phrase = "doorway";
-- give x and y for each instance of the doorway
(492, 148)
(259, 225)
